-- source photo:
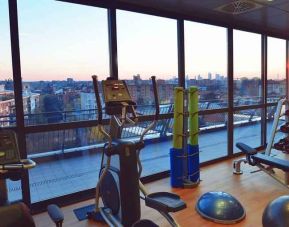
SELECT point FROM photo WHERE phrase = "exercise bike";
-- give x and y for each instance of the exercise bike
(12, 167)
(119, 183)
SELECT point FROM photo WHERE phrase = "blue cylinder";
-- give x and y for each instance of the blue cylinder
(193, 163)
(176, 167)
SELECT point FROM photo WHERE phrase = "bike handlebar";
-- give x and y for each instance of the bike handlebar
(22, 164)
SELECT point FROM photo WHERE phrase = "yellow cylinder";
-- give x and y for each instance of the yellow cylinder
(178, 117)
(193, 116)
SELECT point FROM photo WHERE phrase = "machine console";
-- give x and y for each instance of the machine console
(116, 94)
(115, 91)
(9, 152)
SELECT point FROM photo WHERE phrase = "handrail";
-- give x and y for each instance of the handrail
(98, 103)
(100, 125)
(152, 125)
(156, 96)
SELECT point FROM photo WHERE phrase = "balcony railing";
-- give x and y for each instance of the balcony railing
(90, 114)
(71, 140)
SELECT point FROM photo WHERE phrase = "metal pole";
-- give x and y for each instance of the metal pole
(112, 39)
(181, 53)
(15, 53)
(264, 90)
(287, 69)
(230, 65)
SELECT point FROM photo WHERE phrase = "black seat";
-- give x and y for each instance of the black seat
(165, 202)
(55, 214)
(145, 223)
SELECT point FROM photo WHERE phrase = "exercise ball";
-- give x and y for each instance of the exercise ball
(220, 207)
(277, 213)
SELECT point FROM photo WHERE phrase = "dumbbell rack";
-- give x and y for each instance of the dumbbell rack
(278, 114)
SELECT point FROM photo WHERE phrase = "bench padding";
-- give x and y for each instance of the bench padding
(273, 162)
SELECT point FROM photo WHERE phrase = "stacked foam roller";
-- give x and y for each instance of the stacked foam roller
(189, 156)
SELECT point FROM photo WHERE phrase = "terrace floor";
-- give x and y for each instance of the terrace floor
(64, 175)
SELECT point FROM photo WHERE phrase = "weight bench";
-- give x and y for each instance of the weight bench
(260, 160)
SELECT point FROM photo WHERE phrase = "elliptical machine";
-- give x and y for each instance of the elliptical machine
(119, 185)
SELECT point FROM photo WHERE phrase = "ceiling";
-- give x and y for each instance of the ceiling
(266, 17)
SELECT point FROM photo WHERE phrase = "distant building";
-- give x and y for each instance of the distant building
(7, 103)
(69, 80)
(276, 88)
(209, 76)
(2, 87)
(218, 76)
(87, 101)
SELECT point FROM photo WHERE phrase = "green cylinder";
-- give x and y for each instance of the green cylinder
(178, 117)
(193, 116)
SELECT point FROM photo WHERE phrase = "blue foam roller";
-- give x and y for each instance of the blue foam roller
(193, 163)
(176, 167)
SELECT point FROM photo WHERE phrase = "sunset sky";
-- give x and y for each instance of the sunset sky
(60, 40)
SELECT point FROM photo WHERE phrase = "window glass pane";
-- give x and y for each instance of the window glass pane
(7, 103)
(247, 68)
(270, 118)
(213, 136)
(62, 45)
(68, 161)
(276, 72)
(144, 51)
(155, 155)
(247, 128)
(206, 63)
(14, 190)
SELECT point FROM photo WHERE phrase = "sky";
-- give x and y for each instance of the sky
(60, 40)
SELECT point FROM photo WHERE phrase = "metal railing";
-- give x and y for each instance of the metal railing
(90, 114)
(79, 139)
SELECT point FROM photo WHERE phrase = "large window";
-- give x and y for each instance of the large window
(206, 68)
(276, 73)
(62, 45)
(247, 68)
(68, 161)
(247, 127)
(144, 51)
(206, 63)
(7, 103)
(213, 136)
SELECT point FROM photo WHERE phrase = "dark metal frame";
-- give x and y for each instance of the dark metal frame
(230, 65)
(16, 66)
(112, 40)
(264, 89)
(111, 7)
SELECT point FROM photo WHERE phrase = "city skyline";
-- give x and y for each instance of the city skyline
(78, 45)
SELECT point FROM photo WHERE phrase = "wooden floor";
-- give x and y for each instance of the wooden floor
(253, 190)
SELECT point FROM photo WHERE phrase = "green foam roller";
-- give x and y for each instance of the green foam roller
(193, 116)
(178, 117)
